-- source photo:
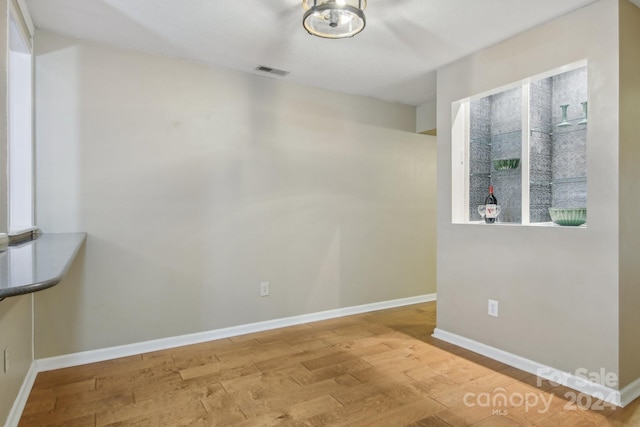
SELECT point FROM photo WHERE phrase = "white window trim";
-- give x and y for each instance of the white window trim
(460, 148)
(22, 23)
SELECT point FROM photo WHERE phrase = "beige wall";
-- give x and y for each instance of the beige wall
(426, 117)
(629, 191)
(15, 336)
(195, 184)
(557, 287)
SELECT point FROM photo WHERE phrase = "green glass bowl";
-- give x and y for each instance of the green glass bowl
(568, 216)
(506, 164)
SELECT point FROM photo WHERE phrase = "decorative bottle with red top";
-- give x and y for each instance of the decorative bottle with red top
(491, 207)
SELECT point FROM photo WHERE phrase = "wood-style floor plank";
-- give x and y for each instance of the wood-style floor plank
(375, 369)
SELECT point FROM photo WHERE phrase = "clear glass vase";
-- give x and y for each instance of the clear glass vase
(564, 121)
(584, 114)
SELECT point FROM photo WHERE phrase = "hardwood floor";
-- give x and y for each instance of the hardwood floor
(375, 369)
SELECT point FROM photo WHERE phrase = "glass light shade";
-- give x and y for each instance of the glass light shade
(334, 19)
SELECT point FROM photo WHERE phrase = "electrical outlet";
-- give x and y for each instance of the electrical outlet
(6, 360)
(493, 308)
(264, 289)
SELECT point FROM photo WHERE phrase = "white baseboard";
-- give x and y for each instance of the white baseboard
(100, 355)
(23, 395)
(630, 393)
(580, 384)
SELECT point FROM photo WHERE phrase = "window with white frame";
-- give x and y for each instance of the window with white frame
(20, 147)
(527, 143)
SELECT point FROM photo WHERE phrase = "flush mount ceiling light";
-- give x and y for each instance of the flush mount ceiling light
(334, 19)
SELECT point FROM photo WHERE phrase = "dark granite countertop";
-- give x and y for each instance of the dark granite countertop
(37, 264)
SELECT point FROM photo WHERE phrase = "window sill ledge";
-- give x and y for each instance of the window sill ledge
(517, 224)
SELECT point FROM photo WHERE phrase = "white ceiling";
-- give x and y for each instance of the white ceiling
(393, 59)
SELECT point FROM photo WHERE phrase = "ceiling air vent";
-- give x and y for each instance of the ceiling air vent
(273, 71)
